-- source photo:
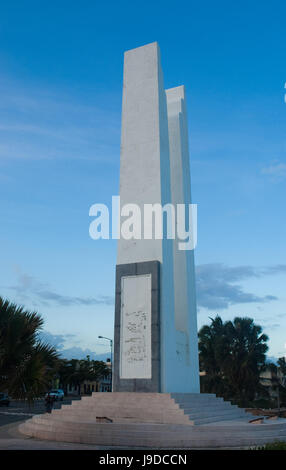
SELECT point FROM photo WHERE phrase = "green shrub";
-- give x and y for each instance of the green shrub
(264, 403)
(279, 445)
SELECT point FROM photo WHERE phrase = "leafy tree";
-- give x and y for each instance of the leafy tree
(27, 365)
(232, 354)
(75, 372)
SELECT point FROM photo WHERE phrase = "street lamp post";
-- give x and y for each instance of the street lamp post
(111, 345)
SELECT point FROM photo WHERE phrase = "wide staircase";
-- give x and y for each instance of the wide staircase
(152, 419)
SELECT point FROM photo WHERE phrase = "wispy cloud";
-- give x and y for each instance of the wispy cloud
(58, 341)
(66, 300)
(73, 351)
(27, 287)
(76, 352)
(218, 285)
(276, 171)
(44, 124)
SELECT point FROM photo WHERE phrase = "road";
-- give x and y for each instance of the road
(19, 410)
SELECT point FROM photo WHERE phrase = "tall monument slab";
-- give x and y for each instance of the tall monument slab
(185, 308)
(155, 345)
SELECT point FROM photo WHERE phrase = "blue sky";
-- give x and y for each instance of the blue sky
(60, 104)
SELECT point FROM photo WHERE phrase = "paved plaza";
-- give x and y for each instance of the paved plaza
(18, 411)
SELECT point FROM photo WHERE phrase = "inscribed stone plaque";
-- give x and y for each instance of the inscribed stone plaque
(135, 337)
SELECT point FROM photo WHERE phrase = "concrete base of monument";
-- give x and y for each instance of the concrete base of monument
(156, 420)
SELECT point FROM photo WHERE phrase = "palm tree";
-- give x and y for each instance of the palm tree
(26, 364)
(213, 347)
(247, 359)
(232, 354)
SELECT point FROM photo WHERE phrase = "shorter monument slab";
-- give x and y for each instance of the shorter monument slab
(137, 328)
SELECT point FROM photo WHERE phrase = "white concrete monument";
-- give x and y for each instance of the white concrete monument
(155, 312)
(155, 347)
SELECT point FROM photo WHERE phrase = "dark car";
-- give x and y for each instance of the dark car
(56, 394)
(4, 399)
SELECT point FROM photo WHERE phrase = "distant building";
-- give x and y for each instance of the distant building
(87, 387)
(270, 379)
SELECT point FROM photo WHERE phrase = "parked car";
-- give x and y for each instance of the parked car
(56, 393)
(4, 399)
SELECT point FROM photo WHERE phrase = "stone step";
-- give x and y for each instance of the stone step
(125, 430)
(172, 407)
(160, 415)
(121, 420)
(135, 411)
(216, 418)
(122, 396)
(240, 420)
(194, 396)
(217, 412)
(103, 404)
(82, 421)
(217, 406)
(200, 402)
(105, 410)
(151, 406)
(147, 403)
(138, 437)
(151, 395)
(137, 428)
(130, 396)
(163, 440)
(164, 419)
(111, 410)
(140, 419)
(125, 399)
